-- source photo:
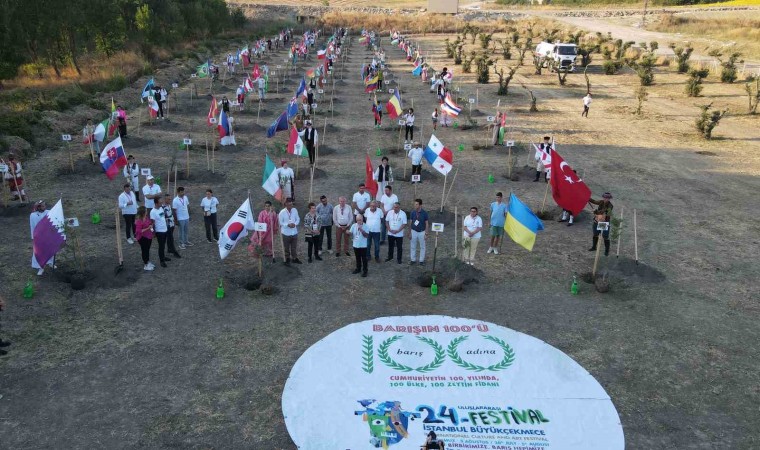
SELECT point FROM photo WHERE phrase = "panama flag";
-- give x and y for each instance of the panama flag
(98, 134)
(48, 235)
(449, 106)
(256, 72)
(152, 107)
(295, 143)
(225, 130)
(321, 54)
(112, 158)
(212, 112)
(271, 182)
(438, 156)
(236, 228)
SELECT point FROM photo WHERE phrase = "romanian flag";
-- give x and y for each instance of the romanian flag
(370, 84)
(521, 224)
(394, 106)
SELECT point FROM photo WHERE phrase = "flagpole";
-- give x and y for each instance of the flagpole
(456, 230)
(622, 208)
(444, 190)
(546, 194)
(451, 186)
(635, 238)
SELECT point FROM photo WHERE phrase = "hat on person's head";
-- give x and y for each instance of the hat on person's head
(322, 197)
(308, 122)
(607, 195)
(40, 202)
(149, 177)
(130, 157)
(283, 161)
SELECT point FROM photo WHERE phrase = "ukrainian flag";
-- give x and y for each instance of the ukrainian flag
(521, 224)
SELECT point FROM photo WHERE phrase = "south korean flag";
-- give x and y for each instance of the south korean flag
(236, 229)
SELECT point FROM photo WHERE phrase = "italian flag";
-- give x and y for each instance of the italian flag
(98, 134)
(271, 182)
(295, 143)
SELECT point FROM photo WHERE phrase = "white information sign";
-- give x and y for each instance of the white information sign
(416, 178)
(408, 147)
(491, 119)
(391, 91)
(72, 222)
(320, 91)
(387, 81)
(187, 141)
(145, 172)
(260, 226)
(212, 120)
(66, 137)
(175, 85)
(510, 143)
(234, 103)
(472, 101)
(194, 75)
(402, 122)
(3, 168)
(436, 227)
(389, 381)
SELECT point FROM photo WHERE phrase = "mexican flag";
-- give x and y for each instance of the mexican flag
(271, 182)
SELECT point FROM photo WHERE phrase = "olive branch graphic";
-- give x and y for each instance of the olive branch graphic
(440, 355)
(367, 360)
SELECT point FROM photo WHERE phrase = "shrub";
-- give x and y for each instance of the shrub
(682, 57)
(16, 124)
(694, 83)
(708, 120)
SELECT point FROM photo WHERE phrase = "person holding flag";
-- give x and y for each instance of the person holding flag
(121, 117)
(132, 173)
(568, 190)
(310, 140)
(377, 111)
(286, 178)
(543, 158)
(265, 239)
(14, 177)
(409, 127)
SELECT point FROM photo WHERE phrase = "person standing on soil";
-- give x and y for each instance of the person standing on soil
(261, 84)
(312, 225)
(128, 205)
(545, 147)
(383, 175)
(498, 217)
(151, 191)
(435, 119)
(289, 221)
(471, 226)
(387, 201)
(286, 176)
(360, 233)
(241, 97)
(310, 140)
(170, 224)
(121, 118)
(225, 105)
(2, 342)
(264, 239)
(377, 111)
(418, 232)
(40, 211)
(209, 204)
(181, 213)
(342, 218)
(396, 220)
(132, 173)
(157, 98)
(602, 213)
(360, 200)
(374, 218)
(14, 177)
(415, 154)
(144, 234)
(586, 105)
(409, 127)
(325, 212)
(160, 228)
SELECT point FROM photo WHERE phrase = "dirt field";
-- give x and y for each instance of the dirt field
(153, 360)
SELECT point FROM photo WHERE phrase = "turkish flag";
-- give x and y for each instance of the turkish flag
(569, 191)
(369, 181)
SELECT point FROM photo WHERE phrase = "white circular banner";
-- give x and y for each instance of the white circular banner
(388, 382)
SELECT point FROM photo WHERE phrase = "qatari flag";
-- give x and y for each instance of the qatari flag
(49, 235)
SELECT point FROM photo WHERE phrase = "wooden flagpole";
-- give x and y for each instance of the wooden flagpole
(258, 113)
(187, 154)
(617, 253)
(213, 156)
(444, 190)
(546, 194)
(635, 238)
(139, 121)
(175, 180)
(598, 252)
(451, 186)
(208, 159)
(456, 230)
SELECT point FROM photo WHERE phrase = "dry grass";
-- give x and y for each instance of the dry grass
(409, 23)
(744, 31)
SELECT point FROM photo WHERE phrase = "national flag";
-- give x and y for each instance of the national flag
(449, 106)
(271, 181)
(147, 90)
(225, 130)
(394, 42)
(212, 112)
(236, 228)
(152, 107)
(417, 70)
(321, 54)
(49, 235)
(310, 73)
(438, 156)
(521, 224)
(301, 88)
(113, 158)
(295, 143)
(292, 110)
(248, 85)
(202, 71)
(255, 72)
(568, 190)
(364, 40)
(98, 134)
(279, 124)
(394, 105)
(369, 181)
(370, 83)
(417, 62)
(545, 157)
(113, 123)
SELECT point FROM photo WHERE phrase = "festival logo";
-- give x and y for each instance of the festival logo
(388, 423)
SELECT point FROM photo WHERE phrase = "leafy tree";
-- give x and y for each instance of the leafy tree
(694, 83)
(505, 78)
(708, 120)
(682, 57)
(728, 66)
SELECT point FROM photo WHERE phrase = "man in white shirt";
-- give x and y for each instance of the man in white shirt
(128, 206)
(409, 131)
(182, 216)
(286, 177)
(209, 204)
(132, 173)
(151, 192)
(360, 200)
(415, 154)
(387, 201)
(170, 224)
(289, 221)
(586, 104)
(160, 226)
(262, 87)
(342, 218)
(396, 223)
(373, 218)
(360, 233)
(471, 226)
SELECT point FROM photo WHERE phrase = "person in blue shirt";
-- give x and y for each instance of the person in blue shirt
(498, 217)
(360, 232)
(419, 228)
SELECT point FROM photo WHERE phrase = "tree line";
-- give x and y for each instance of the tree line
(38, 34)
